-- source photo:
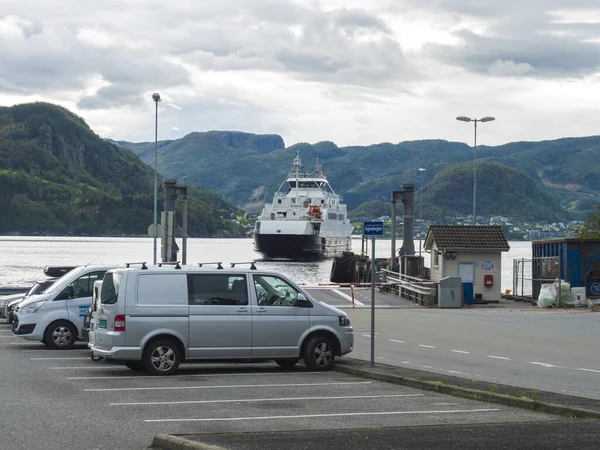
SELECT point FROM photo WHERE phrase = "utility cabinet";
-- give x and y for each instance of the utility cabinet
(450, 292)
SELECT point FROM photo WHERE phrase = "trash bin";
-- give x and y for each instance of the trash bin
(592, 283)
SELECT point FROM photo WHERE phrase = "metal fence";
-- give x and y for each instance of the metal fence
(530, 274)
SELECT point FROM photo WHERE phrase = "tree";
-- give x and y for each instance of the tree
(591, 227)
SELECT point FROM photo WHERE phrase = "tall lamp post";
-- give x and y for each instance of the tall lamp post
(156, 98)
(468, 119)
(421, 170)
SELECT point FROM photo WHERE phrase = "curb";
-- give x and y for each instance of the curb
(472, 394)
(170, 442)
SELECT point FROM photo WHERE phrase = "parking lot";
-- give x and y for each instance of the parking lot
(54, 399)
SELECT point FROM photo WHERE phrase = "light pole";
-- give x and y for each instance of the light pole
(421, 170)
(156, 98)
(468, 119)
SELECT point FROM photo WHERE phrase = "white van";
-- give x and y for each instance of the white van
(154, 318)
(56, 316)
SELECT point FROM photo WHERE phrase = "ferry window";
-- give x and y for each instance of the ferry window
(278, 201)
(293, 200)
(217, 289)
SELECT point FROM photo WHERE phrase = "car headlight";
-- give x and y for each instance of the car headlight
(32, 307)
(344, 321)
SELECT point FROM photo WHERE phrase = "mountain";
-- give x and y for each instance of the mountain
(505, 192)
(501, 191)
(247, 173)
(58, 177)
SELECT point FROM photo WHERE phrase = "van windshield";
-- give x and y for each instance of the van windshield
(110, 288)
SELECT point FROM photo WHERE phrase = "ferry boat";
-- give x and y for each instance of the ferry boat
(306, 221)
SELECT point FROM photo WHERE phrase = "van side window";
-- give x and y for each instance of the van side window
(217, 289)
(81, 287)
(274, 291)
(110, 288)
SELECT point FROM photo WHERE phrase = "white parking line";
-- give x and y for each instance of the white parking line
(60, 358)
(310, 416)
(461, 351)
(208, 375)
(426, 346)
(233, 386)
(26, 343)
(252, 400)
(49, 350)
(399, 342)
(91, 368)
(347, 297)
(589, 370)
(545, 365)
(498, 357)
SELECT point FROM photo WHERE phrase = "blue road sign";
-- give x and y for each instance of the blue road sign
(373, 228)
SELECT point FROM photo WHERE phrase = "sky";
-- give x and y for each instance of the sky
(348, 71)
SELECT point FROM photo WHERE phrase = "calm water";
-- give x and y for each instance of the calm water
(22, 259)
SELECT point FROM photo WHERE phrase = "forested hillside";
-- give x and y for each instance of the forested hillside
(246, 169)
(58, 177)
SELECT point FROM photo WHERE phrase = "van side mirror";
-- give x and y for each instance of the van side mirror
(66, 294)
(303, 302)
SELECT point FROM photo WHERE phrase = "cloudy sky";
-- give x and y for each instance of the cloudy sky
(353, 72)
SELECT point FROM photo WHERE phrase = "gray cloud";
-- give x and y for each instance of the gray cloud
(545, 55)
(526, 35)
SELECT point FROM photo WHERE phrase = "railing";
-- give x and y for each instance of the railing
(417, 290)
(14, 290)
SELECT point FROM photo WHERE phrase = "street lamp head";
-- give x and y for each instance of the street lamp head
(421, 169)
(156, 97)
(487, 119)
(464, 119)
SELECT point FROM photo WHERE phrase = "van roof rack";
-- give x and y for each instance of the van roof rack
(170, 263)
(144, 267)
(252, 265)
(219, 264)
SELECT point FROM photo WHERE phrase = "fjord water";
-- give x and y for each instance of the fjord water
(23, 258)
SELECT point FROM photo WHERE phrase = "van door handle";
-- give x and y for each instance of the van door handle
(261, 310)
(241, 310)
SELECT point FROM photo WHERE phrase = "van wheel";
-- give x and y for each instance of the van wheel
(318, 354)
(161, 357)
(134, 365)
(287, 363)
(60, 335)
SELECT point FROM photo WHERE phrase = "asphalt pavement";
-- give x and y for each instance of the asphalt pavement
(507, 343)
(61, 399)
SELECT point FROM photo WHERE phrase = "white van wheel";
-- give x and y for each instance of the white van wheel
(161, 357)
(60, 335)
(318, 354)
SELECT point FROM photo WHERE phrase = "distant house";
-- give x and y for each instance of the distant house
(473, 252)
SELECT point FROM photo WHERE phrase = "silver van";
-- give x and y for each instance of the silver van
(153, 318)
(56, 316)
